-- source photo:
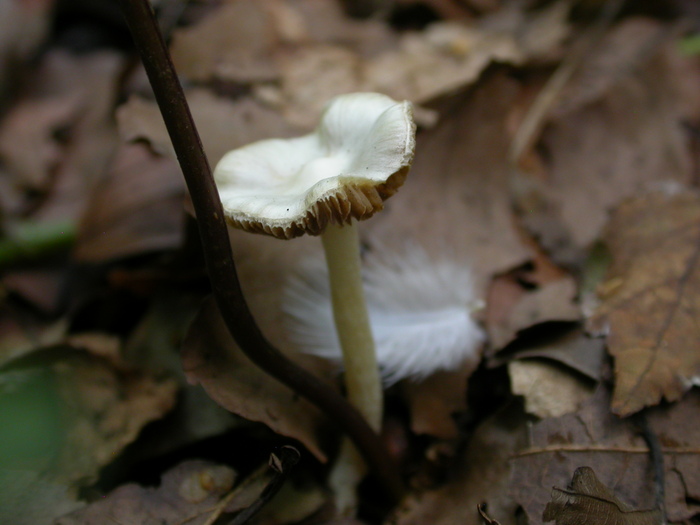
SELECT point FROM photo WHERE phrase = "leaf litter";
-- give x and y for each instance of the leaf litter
(611, 165)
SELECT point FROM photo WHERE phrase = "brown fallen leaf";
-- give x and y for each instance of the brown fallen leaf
(136, 208)
(28, 498)
(28, 144)
(91, 139)
(522, 298)
(211, 358)
(481, 473)
(23, 27)
(87, 403)
(650, 298)
(261, 42)
(222, 124)
(554, 366)
(437, 400)
(187, 493)
(611, 138)
(233, 42)
(442, 59)
(550, 390)
(614, 448)
(587, 500)
(565, 343)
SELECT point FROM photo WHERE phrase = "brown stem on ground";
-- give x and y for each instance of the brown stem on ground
(217, 250)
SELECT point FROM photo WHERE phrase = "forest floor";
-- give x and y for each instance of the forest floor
(552, 206)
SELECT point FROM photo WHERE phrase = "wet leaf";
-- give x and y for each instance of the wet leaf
(587, 500)
(649, 301)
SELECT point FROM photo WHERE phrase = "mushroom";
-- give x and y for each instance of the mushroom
(322, 184)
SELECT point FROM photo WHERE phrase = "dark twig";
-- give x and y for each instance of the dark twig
(217, 249)
(656, 455)
(281, 462)
(488, 520)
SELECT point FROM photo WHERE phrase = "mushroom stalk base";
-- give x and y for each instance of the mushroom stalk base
(362, 380)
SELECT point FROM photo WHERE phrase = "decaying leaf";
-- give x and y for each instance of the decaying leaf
(481, 473)
(564, 343)
(232, 43)
(222, 124)
(136, 208)
(549, 390)
(445, 57)
(71, 408)
(612, 137)
(554, 365)
(518, 299)
(28, 144)
(615, 449)
(28, 498)
(650, 300)
(212, 359)
(23, 27)
(587, 500)
(187, 494)
(278, 47)
(435, 401)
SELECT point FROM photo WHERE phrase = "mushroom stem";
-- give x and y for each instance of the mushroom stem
(362, 380)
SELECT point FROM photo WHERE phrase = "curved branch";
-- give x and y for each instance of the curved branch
(218, 254)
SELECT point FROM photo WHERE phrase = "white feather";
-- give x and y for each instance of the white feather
(420, 311)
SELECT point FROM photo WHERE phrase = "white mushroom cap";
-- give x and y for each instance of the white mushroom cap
(356, 158)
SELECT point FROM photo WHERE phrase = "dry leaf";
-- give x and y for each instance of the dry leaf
(622, 139)
(88, 404)
(212, 359)
(455, 201)
(549, 390)
(23, 27)
(91, 139)
(564, 343)
(481, 473)
(442, 59)
(28, 498)
(450, 55)
(222, 124)
(513, 309)
(614, 448)
(28, 143)
(649, 301)
(136, 208)
(187, 494)
(233, 42)
(587, 500)
(619, 54)
(437, 400)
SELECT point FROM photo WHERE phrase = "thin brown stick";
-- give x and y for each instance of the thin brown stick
(217, 250)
